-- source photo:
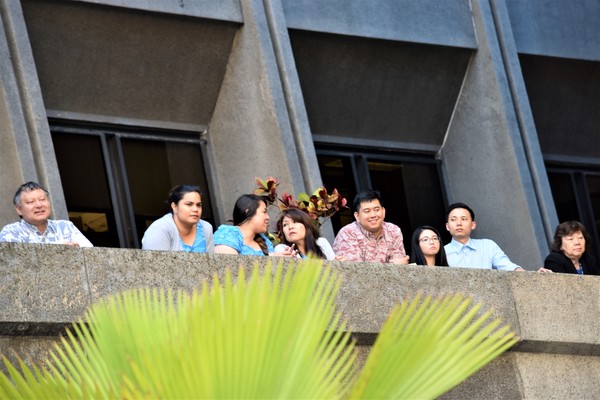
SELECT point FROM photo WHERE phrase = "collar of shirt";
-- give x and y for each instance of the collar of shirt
(32, 228)
(370, 235)
(458, 246)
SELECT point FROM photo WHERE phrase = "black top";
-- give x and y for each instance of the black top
(558, 262)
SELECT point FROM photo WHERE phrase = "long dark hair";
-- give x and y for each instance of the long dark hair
(417, 255)
(244, 209)
(312, 232)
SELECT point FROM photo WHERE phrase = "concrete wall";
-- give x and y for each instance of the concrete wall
(45, 288)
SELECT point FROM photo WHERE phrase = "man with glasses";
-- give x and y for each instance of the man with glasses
(33, 206)
(370, 238)
(463, 251)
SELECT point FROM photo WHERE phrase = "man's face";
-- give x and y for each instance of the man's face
(460, 224)
(35, 207)
(370, 216)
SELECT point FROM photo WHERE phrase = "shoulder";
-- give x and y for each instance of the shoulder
(164, 222)
(208, 228)
(556, 256)
(62, 224)
(228, 230)
(326, 248)
(228, 233)
(391, 226)
(11, 227)
(393, 229)
(483, 244)
(352, 229)
(11, 232)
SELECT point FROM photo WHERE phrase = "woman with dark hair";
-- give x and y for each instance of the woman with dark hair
(247, 235)
(426, 247)
(298, 231)
(570, 251)
(181, 229)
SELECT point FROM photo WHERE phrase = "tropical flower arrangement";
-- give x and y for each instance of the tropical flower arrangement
(320, 206)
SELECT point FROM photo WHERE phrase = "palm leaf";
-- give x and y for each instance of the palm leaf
(428, 346)
(274, 334)
(267, 336)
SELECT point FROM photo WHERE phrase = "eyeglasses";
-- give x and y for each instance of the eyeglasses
(429, 239)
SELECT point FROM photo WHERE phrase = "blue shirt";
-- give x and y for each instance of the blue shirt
(478, 253)
(231, 236)
(57, 232)
(199, 245)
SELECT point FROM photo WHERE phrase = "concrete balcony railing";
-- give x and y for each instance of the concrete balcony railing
(44, 288)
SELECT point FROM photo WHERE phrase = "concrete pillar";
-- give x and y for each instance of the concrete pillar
(26, 150)
(491, 157)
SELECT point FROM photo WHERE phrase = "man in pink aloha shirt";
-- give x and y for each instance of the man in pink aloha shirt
(370, 238)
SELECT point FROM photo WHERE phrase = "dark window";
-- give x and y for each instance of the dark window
(576, 194)
(116, 181)
(410, 186)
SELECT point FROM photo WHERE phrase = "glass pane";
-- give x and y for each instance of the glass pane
(412, 195)
(153, 168)
(85, 185)
(563, 193)
(336, 173)
(593, 182)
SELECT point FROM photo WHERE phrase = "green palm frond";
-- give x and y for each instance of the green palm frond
(428, 346)
(268, 336)
(275, 334)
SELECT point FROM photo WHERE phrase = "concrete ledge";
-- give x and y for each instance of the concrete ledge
(43, 288)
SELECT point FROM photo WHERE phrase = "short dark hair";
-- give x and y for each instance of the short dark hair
(177, 192)
(365, 197)
(27, 187)
(568, 228)
(459, 205)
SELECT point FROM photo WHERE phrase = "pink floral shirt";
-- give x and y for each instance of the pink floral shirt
(357, 244)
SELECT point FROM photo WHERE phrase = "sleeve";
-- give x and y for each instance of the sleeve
(230, 236)
(554, 263)
(346, 245)
(78, 237)
(279, 248)
(397, 248)
(208, 234)
(7, 235)
(157, 236)
(500, 261)
(326, 248)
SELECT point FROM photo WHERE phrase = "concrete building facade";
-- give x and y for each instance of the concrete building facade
(109, 103)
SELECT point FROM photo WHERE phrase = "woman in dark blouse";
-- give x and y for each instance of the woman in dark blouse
(570, 251)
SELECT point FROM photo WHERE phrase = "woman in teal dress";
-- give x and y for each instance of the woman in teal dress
(247, 235)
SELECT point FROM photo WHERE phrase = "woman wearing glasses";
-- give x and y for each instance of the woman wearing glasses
(427, 248)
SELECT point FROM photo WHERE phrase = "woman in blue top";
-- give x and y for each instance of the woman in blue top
(181, 229)
(247, 235)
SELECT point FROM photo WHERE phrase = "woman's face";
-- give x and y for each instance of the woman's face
(260, 221)
(188, 210)
(292, 230)
(573, 246)
(429, 242)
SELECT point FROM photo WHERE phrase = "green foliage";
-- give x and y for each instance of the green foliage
(272, 335)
